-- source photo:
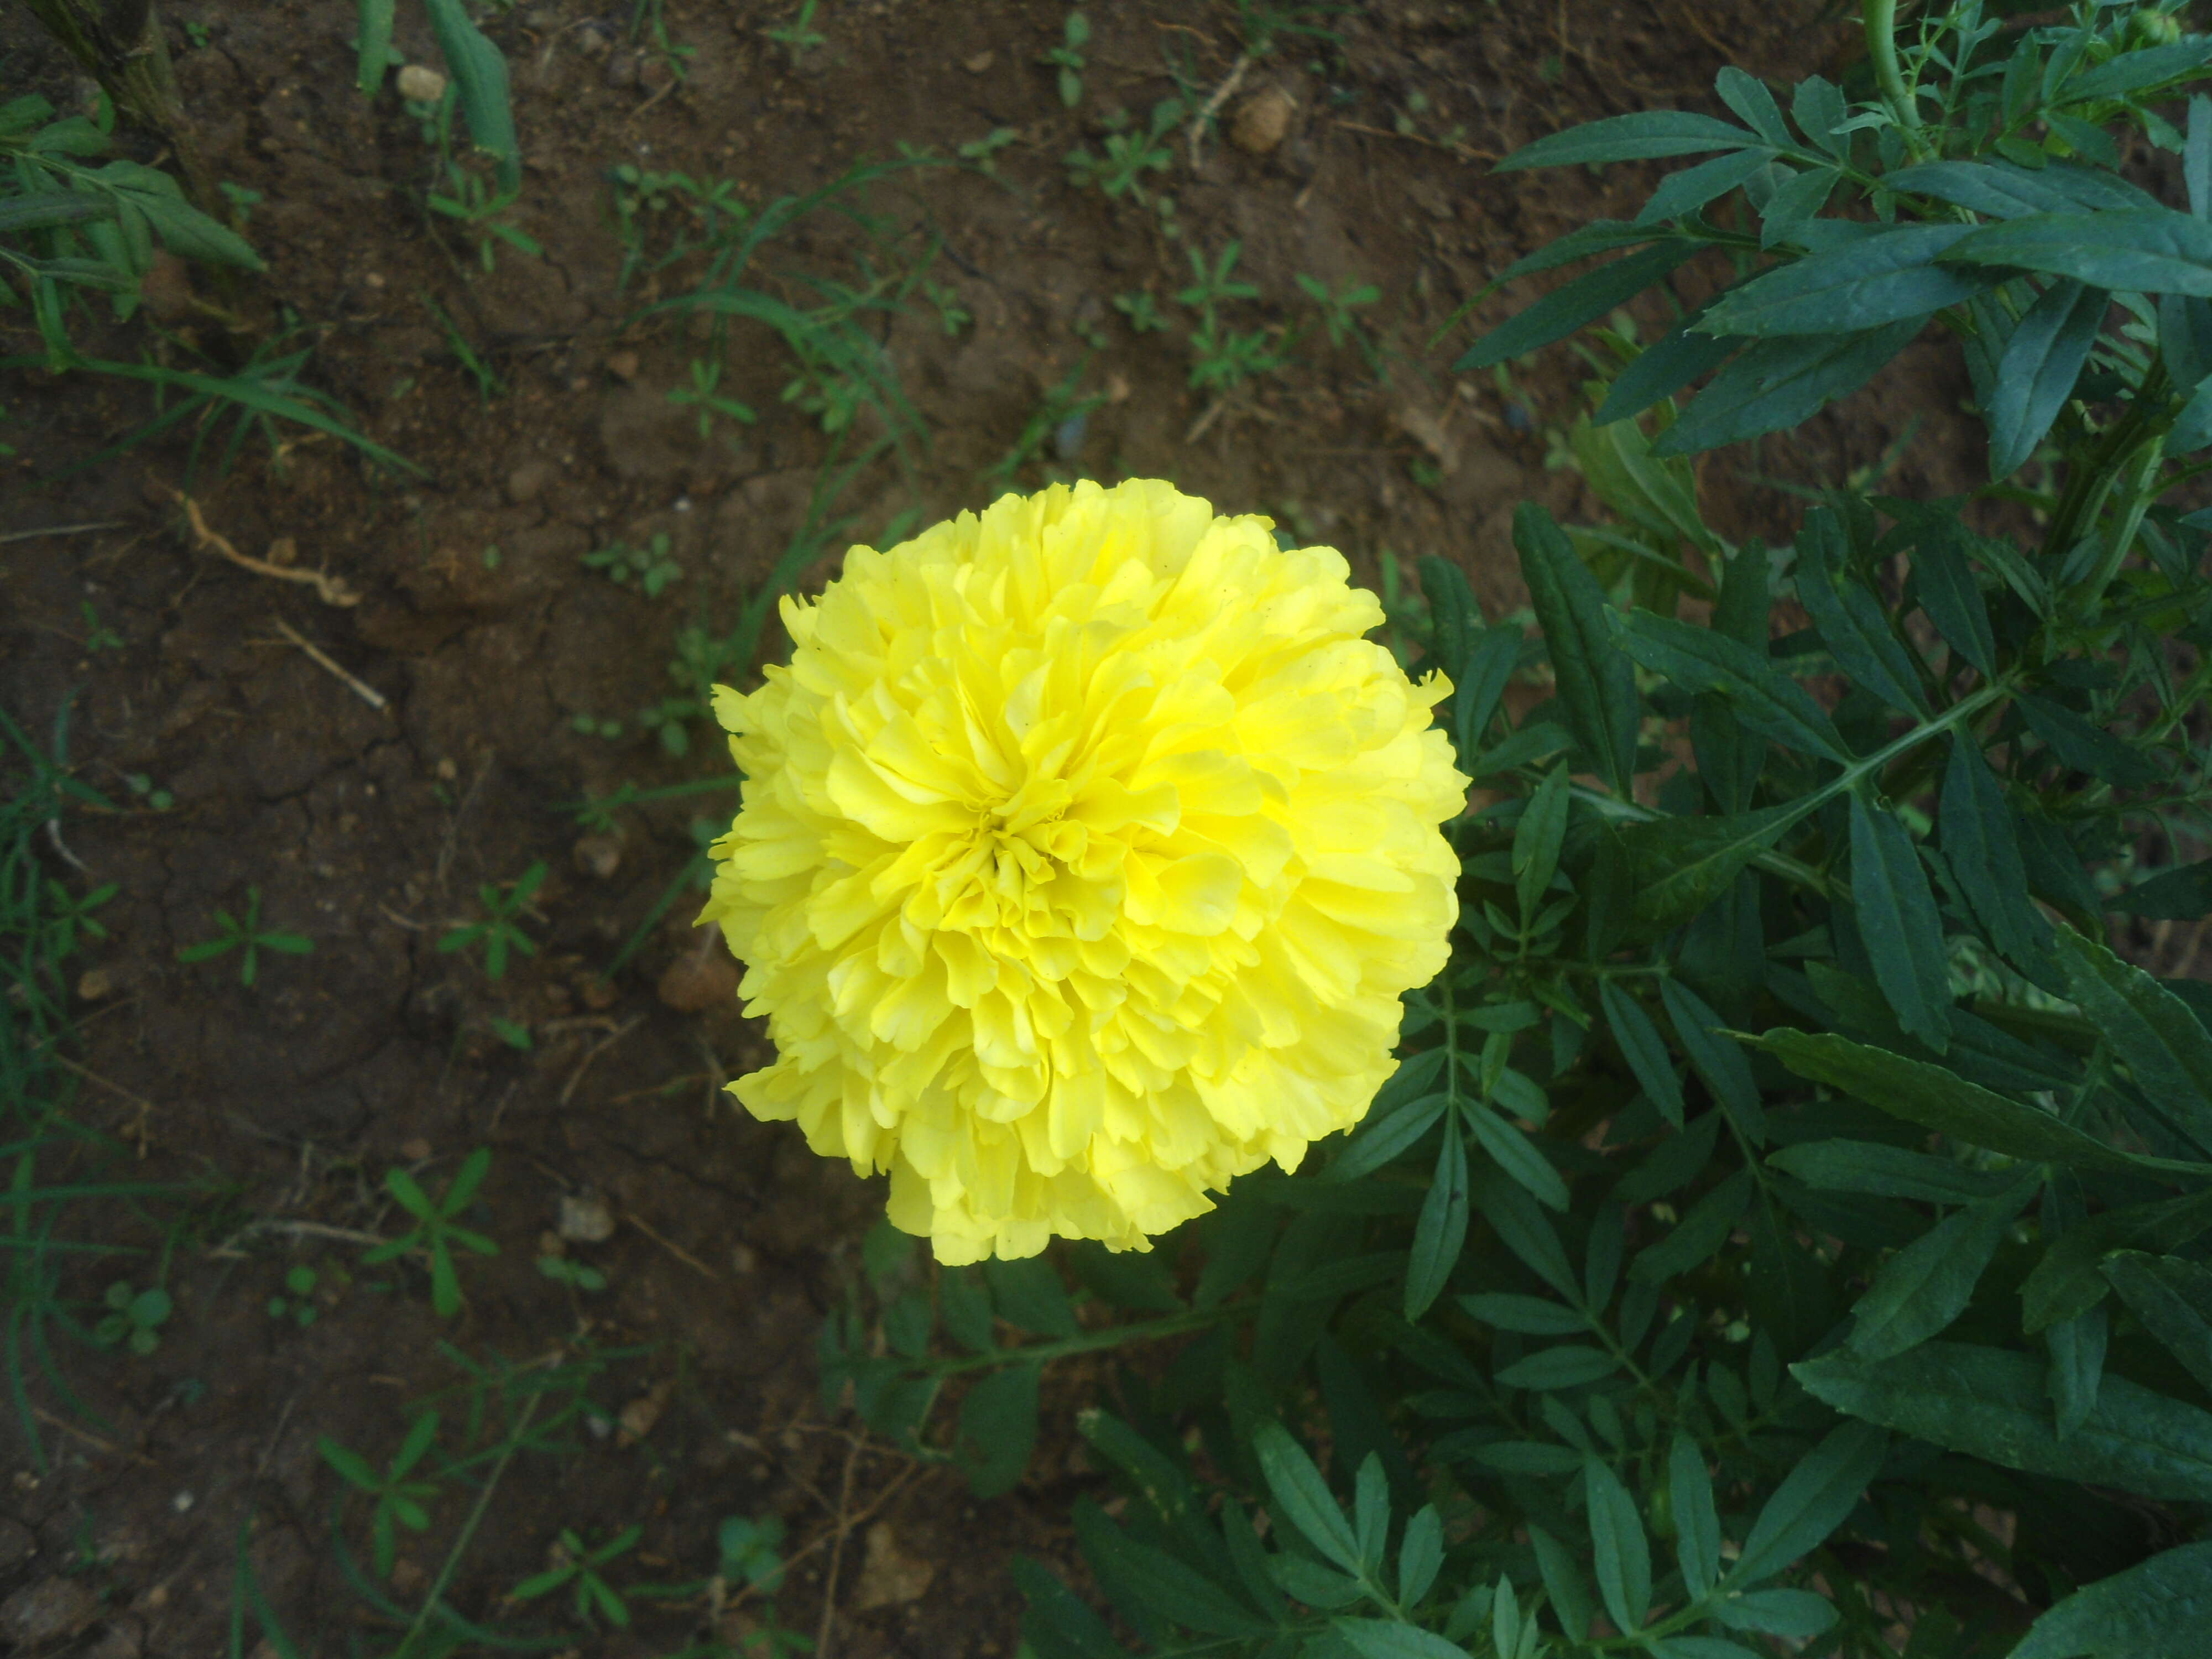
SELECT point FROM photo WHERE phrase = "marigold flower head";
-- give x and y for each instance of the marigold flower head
(1087, 848)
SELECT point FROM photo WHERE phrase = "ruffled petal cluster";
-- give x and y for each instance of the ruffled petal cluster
(1087, 848)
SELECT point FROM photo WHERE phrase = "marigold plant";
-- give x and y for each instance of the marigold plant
(1086, 851)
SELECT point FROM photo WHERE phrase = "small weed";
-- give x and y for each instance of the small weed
(1263, 23)
(1142, 310)
(497, 932)
(249, 936)
(1067, 58)
(298, 1306)
(98, 636)
(576, 1275)
(706, 376)
(1062, 405)
(798, 38)
(751, 1551)
(491, 558)
(1336, 308)
(576, 1565)
(591, 725)
(513, 1033)
(197, 32)
(1222, 357)
(480, 209)
(489, 384)
(159, 801)
(242, 198)
(400, 1502)
(68, 917)
(134, 1318)
(980, 150)
(1215, 285)
(435, 1230)
(1129, 155)
(949, 312)
(648, 17)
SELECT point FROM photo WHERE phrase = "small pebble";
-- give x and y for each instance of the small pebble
(598, 855)
(94, 984)
(1262, 120)
(980, 62)
(419, 83)
(586, 1218)
(415, 1150)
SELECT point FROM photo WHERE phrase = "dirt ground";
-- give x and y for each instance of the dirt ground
(482, 639)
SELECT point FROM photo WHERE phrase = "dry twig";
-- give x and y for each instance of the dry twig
(368, 694)
(328, 588)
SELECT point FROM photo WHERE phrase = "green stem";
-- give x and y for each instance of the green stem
(1882, 52)
(1113, 1336)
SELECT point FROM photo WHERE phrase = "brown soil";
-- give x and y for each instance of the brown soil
(370, 829)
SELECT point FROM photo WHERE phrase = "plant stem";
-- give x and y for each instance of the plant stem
(1882, 52)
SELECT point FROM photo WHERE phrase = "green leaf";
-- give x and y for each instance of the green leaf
(1696, 1522)
(2133, 250)
(2067, 1282)
(1029, 1293)
(374, 39)
(1563, 1583)
(1643, 1048)
(2182, 894)
(1619, 1552)
(1937, 1099)
(1981, 840)
(1762, 697)
(2172, 1298)
(1926, 1286)
(1599, 236)
(2005, 191)
(1303, 1497)
(1818, 110)
(1851, 621)
(1903, 932)
(1798, 1614)
(1136, 1280)
(1513, 1152)
(1697, 1235)
(479, 71)
(2076, 1370)
(1167, 1586)
(1782, 382)
(1746, 95)
(1596, 682)
(1530, 1315)
(1641, 137)
(2084, 747)
(1795, 203)
(1681, 194)
(1988, 1403)
(965, 1308)
(1488, 670)
(2036, 375)
(2134, 71)
(1953, 600)
(1370, 1509)
(1568, 1366)
(2153, 1030)
(1571, 304)
(998, 1428)
(1537, 838)
(1378, 1638)
(1876, 280)
(1526, 1230)
(1420, 1555)
(1058, 1622)
(1883, 1170)
(1678, 865)
(1379, 1140)
(1664, 368)
(1719, 1058)
(2161, 1605)
(1820, 1491)
(1440, 1232)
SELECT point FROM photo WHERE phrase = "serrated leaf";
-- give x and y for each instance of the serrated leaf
(1136, 1280)
(2006, 192)
(2133, 249)
(1819, 109)
(1440, 1232)
(2134, 71)
(1563, 1583)
(1926, 1286)
(1029, 1293)
(1789, 210)
(2182, 894)
(1851, 621)
(998, 1428)
(1988, 1403)
(1793, 1613)
(1680, 194)
(1879, 1170)
(1678, 865)
(1568, 1366)
(1696, 1522)
(2161, 1605)
(2076, 1370)
(1537, 839)
(2163, 1043)
(1643, 1048)
(2172, 1298)
(1519, 1157)
(1670, 362)
(1574, 304)
(1378, 1638)
(1953, 599)
(1303, 1497)
(1820, 1491)
(1877, 280)
(1371, 1511)
(2067, 1283)
(1781, 382)
(2036, 373)
(1525, 1230)
(2084, 747)
(1940, 1100)
(1699, 1234)
(1596, 682)
(1619, 1552)
(1719, 1059)
(1642, 136)
(1530, 1315)
(1762, 697)
(1899, 924)
(1377, 1142)
(1489, 669)
(1981, 839)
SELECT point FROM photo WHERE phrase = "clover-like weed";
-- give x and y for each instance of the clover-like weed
(437, 1230)
(498, 932)
(249, 936)
(400, 1502)
(576, 1564)
(134, 1318)
(1067, 57)
(299, 1305)
(652, 565)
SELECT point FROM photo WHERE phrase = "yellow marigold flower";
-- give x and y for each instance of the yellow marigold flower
(1087, 848)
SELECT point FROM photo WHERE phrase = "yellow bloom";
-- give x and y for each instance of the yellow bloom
(1085, 850)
